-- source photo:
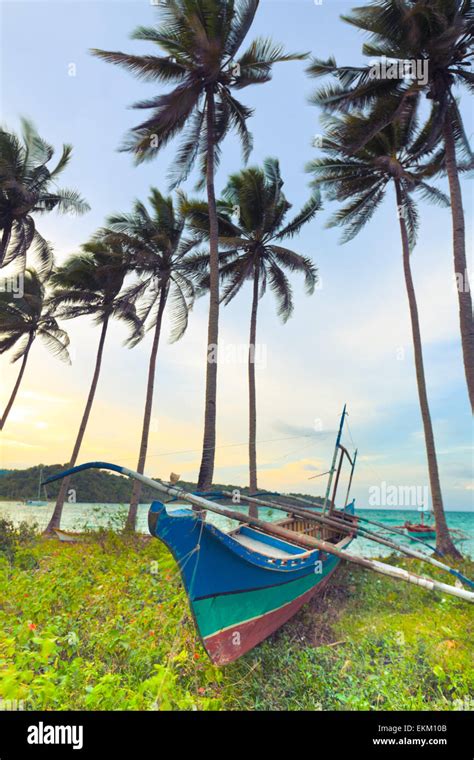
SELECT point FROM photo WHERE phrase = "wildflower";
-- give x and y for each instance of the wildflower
(32, 626)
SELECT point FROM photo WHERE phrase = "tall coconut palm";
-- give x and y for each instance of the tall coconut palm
(440, 35)
(395, 157)
(89, 284)
(250, 241)
(159, 248)
(28, 187)
(200, 40)
(23, 318)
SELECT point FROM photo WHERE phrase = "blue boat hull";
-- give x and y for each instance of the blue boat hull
(241, 586)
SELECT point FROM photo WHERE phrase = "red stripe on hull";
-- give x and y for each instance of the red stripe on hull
(232, 643)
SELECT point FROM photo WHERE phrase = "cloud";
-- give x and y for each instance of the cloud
(300, 430)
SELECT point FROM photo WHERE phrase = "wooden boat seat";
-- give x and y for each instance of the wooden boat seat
(259, 542)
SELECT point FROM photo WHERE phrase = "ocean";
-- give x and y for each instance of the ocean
(77, 517)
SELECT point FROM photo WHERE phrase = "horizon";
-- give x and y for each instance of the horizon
(349, 342)
(384, 508)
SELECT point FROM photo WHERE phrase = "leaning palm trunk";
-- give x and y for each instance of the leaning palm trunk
(444, 542)
(206, 470)
(460, 264)
(253, 511)
(136, 490)
(58, 509)
(17, 385)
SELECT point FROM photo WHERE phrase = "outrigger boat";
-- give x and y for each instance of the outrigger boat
(68, 537)
(421, 529)
(38, 502)
(242, 585)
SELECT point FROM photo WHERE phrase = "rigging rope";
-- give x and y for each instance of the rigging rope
(230, 445)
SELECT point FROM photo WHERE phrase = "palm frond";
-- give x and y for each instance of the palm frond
(238, 115)
(188, 150)
(241, 22)
(56, 340)
(433, 194)
(410, 216)
(357, 214)
(66, 201)
(178, 308)
(257, 61)
(24, 344)
(281, 288)
(295, 262)
(307, 213)
(149, 68)
(463, 146)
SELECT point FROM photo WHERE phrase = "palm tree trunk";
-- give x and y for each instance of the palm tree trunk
(6, 235)
(253, 511)
(55, 520)
(460, 263)
(206, 470)
(17, 384)
(136, 490)
(444, 542)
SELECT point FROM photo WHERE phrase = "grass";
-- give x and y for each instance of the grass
(105, 625)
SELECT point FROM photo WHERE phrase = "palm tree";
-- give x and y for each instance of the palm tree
(252, 251)
(159, 249)
(22, 320)
(28, 187)
(200, 40)
(440, 34)
(398, 156)
(89, 284)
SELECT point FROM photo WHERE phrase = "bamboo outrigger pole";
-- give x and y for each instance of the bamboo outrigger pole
(350, 526)
(306, 541)
(388, 528)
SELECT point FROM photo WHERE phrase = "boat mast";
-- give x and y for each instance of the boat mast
(39, 483)
(350, 479)
(333, 465)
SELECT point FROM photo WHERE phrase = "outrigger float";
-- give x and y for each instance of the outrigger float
(243, 584)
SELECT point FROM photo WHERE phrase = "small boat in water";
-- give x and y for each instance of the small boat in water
(68, 536)
(420, 530)
(38, 502)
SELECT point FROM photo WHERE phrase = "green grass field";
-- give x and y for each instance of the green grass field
(105, 625)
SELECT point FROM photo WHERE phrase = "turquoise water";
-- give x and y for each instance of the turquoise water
(457, 521)
(82, 516)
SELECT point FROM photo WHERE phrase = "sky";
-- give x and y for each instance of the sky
(348, 343)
